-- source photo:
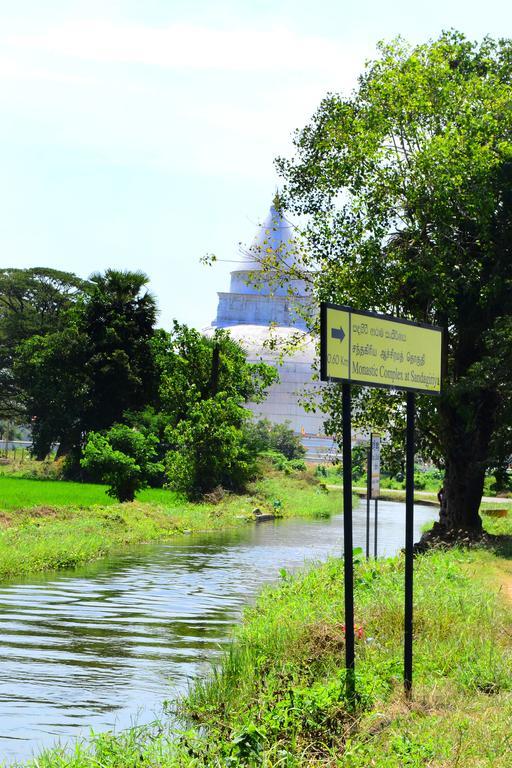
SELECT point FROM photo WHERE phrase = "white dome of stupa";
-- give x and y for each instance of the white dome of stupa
(265, 318)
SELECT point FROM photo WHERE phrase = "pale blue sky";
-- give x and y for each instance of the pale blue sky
(141, 134)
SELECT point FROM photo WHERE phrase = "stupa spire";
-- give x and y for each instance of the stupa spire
(274, 241)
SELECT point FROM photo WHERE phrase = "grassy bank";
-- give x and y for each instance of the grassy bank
(50, 524)
(278, 697)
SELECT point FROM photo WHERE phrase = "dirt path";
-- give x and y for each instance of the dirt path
(500, 576)
(506, 583)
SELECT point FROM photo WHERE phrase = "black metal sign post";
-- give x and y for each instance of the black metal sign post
(374, 486)
(348, 544)
(368, 497)
(376, 523)
(409, 543)
(378, 351)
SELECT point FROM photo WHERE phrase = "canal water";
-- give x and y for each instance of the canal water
(102, 647)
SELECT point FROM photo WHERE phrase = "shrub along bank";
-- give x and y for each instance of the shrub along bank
(278, 697)
(46, 525)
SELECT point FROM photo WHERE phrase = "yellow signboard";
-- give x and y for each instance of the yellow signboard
(379, 351)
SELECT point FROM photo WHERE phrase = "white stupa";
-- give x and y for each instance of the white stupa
(255, 310)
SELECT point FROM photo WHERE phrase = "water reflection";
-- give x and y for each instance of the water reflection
(101, 647)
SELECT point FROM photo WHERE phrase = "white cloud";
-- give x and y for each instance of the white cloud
(188, 46)
(14, 68)
(185, 97)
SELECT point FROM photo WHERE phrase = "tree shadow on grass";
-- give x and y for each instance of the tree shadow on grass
(499, 544)
(439, 537)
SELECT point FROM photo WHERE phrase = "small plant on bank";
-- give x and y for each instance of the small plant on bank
(124, 459)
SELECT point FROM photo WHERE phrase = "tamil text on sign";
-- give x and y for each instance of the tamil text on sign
(379, 351)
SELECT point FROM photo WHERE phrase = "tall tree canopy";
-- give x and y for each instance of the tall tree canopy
(118, 320)
(194, 367)
(408, 187)
(32, 301)
(85, 376)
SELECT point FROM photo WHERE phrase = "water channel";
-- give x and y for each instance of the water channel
(103, 646)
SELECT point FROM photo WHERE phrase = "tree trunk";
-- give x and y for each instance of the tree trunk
(65, 446)
(468, 429)
(463, 487)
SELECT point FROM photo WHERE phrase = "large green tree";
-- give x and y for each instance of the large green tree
(407, 183)
(32, 302)
(193, 366)
(118, 319)
(85, 376)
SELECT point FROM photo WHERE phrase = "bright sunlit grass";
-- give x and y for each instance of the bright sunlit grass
(21, 493)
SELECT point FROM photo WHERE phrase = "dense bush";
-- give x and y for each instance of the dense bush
(208, 448)
(204, 385)
(280, 462)
(124, 458)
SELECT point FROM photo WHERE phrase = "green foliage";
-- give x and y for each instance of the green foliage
(359, 461)
(123, 458)
(209, 448)
(85, 375)
(408, 187)
(280, 462)
(194, 367)
(51, 371)
(32, 302)
(9, 431)
(265, 436)
(119, 321)
(150, 421)
(204, 384)
(424, 480)
(103, 363)
(298, 465)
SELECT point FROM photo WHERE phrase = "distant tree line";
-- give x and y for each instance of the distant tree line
(83, 363)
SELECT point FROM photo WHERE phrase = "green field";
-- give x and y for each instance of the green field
(21, 493)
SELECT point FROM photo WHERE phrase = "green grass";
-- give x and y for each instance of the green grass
(278, 696)
(285, 674)
(20, 493)
(50, 524)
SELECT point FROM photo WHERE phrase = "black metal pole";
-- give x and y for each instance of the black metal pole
(376, 529)
(348, 539)
(409, 542)
(368, 496)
